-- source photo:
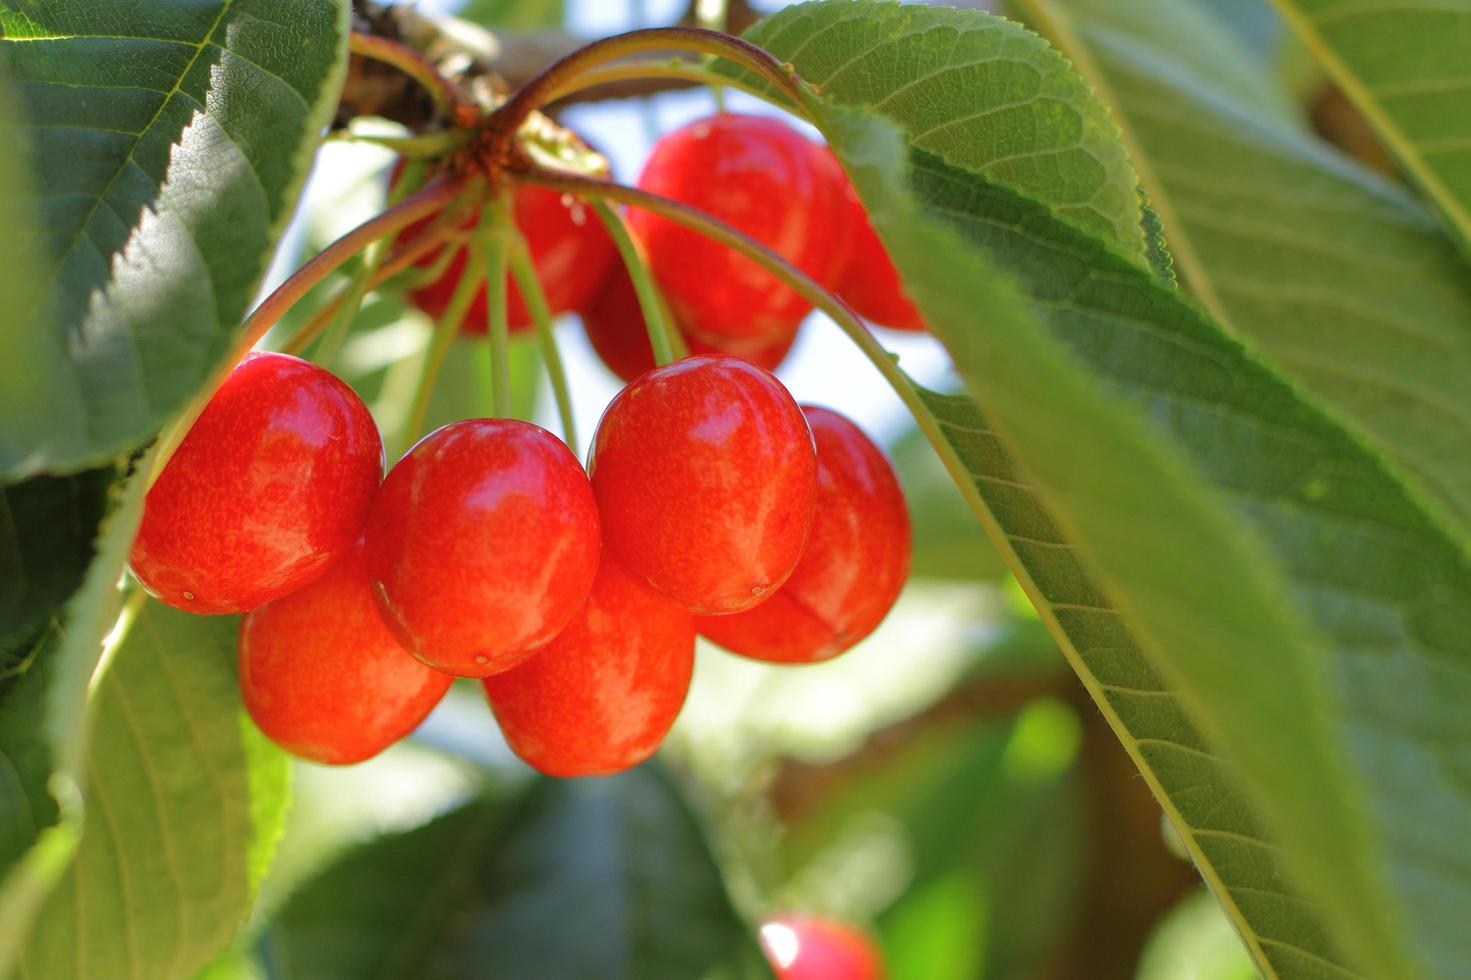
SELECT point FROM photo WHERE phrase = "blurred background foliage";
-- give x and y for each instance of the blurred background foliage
(947, 784)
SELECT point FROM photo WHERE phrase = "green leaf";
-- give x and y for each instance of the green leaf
(1339, 275)
(1405, 67)
(47, 530)
(588, 878)
(44, 725)
(185, 801)
(1253, 601)
(1195, 940)
(982, 92)
(172, 140)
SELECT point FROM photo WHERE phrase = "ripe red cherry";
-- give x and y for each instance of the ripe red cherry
(614, 323)
(869, 282)
(855, 564)
(763, 178)
(271, 484)
(600, 697)
(808, 948)
(705, 475)
(483, 543)
(569, 247)
(324, 677)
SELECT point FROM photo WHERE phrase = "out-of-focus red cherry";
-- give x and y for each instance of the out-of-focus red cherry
(271, 484)
(614, 323)
(764, 178)
(483, 544)
(324, 677)
(869, 282)
(705, 476)
(600, 697)
(809, 948)
(854, 566)
(569, 247)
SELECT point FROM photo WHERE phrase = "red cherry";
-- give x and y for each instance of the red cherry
(869, 282)
(808, 948)
(705, 475)
(600, 697)
(569, 247)
(271, 484)
(762, 177)
(323, 676)
(856, 561)
(483, 543)
(614, 323)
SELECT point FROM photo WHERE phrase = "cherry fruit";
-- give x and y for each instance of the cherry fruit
(272, 483)
(763, 178)
(869, 282)
(600, 697)
(705, 476)
(483, 544)
(324, 677)
(614, 323)
(569, 247)
(855, 564)
(809, 948)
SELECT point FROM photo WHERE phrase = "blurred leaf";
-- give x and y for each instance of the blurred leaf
(1254, 22)
(1405, 67)
(591, 878)
(523, 14)
(174, 140)
(185, 801)
(1195, 942)
(1338, 274)
(948, 543)
(990, 816)
(1110, 480)
(977, 90)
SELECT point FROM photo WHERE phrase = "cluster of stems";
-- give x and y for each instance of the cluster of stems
(495, 246)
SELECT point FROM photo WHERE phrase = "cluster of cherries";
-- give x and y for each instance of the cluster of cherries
(711, 503)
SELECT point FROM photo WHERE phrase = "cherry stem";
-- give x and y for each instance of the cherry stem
(435, 197)
(665, 342)
(719, 231)
(357, 288)
(524, 271)
(641, 69)
(563, 77)
(494, 236)
(446, 94)
(446, 328)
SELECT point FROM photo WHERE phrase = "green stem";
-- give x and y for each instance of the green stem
(541, 317)
(494, 236)
(420, 146)
(445, 329)
(666, 343)
(368, 265)
(804, 285)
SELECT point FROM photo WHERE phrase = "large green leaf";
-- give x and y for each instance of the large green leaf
(601, 879)
(1204, 618)
(1405, 66)
(185, 801)
(980, 91)
(168, 143)
(1343, 278)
